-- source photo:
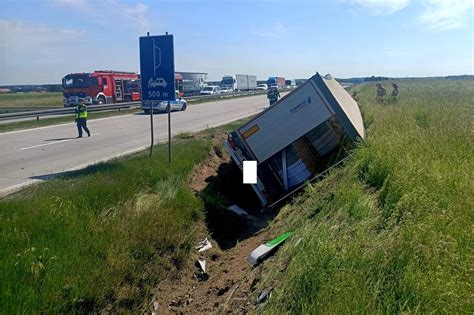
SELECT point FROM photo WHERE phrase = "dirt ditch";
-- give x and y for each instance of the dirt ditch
(231, 284)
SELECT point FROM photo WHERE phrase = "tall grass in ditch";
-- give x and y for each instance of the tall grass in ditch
(101, 238)
(392, 231)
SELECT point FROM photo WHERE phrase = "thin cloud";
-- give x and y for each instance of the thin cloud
(30, 51)
(133, 14)
(381, 7)
(275, 31)
(446, 14)
(19, 35)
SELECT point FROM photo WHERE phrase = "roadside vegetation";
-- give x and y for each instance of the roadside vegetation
(33, 123)
(101, 239)
(33, 99)
(391, 232)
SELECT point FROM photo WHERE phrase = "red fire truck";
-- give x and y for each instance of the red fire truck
(101, 87)
(106, 86)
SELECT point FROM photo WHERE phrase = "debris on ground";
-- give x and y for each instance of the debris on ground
(239, 211)
(203, 245)
(263, 296)
(202, 265)
(264, 250)
(155, 308)
(229, 284)
(201, 273)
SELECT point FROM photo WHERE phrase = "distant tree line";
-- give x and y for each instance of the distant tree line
(374, 78)
(460, 77)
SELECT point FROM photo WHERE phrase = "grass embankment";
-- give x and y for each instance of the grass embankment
(44, 99)
(392, 231)
(101, 238)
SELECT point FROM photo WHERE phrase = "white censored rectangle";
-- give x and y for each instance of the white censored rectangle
(250, 172)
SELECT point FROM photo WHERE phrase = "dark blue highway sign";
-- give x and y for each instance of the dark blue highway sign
(157, 68)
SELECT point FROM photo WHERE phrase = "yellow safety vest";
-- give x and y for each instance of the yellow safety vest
(81, 111)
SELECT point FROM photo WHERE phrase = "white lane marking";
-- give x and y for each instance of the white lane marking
(53, 142)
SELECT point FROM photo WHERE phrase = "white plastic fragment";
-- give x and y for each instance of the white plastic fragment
(203, 245)
(202, 265)
(258, 254)
(265, 249)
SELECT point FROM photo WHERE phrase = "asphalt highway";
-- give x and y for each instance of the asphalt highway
(32, 155)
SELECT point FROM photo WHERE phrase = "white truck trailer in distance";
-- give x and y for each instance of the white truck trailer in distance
(239, 82)
(299, 138)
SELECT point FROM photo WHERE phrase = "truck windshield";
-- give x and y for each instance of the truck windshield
(78, 81)
(228, 80)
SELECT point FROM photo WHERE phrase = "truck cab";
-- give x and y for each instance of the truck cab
(229, 81)
(100, 87)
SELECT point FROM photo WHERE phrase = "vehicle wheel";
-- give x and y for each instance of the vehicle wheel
(184, 107)
(101, 100)
(147, 111)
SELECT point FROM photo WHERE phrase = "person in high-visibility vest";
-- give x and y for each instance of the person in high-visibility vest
(81, 119)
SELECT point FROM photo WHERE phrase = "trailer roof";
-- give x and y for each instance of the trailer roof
(346, 108)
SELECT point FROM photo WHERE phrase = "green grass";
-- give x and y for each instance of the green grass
(103, 236)
(26, 124)
(390, 232)
(46, 99)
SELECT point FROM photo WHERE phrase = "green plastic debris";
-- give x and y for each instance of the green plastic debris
(264, 250)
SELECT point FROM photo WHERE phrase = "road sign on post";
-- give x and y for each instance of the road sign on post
(157, 73)
(157, 68)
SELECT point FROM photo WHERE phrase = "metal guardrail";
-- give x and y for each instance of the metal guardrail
(118, 106)
(65, 111)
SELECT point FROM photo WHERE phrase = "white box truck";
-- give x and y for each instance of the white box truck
(239, 82)
(299, 138)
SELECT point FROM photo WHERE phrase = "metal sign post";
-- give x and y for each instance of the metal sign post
(169, 132)
(157, 75)
(151, 130)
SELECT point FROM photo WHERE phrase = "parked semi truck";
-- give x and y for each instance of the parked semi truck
(193, 82)
(279, 82)
(298, 139)
(239, 82)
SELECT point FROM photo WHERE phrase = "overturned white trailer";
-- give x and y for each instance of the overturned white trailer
(300, 137)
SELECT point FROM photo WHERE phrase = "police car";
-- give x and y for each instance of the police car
(177, 104)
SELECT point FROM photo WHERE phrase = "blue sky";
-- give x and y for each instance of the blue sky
(41, 41)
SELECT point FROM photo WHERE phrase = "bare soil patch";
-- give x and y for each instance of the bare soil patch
(232, 284)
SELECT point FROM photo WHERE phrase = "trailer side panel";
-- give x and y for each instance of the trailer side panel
(291, 118)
